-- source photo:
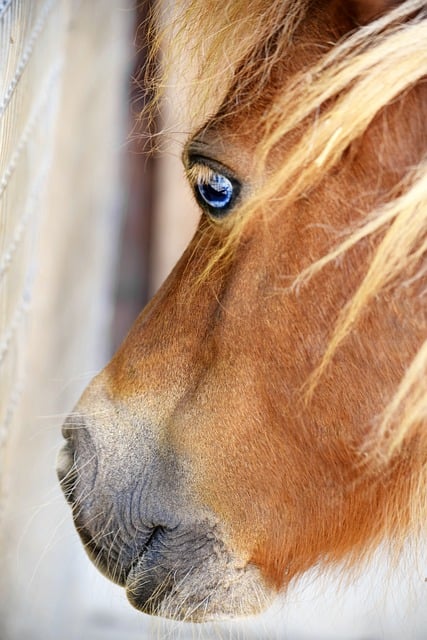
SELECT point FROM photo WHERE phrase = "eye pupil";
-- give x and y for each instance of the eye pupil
(217, 193)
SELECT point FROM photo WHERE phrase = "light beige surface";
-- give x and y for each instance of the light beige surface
(63, 75)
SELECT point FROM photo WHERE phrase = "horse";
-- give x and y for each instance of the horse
(266, 413)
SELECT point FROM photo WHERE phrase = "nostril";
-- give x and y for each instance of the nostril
(67, 430)
(71, 425)
(76, 462)
(65, 466)
(66, 470)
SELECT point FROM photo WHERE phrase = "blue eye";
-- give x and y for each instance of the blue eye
(217, 193)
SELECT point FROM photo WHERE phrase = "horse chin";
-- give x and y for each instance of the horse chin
(166, 580)
(214, 589)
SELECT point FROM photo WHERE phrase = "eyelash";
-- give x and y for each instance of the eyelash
(214, 189)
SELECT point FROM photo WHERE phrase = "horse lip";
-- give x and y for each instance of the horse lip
(147, 594)
(140, 557)
(100, 556)
(96, 555)
(153, 534)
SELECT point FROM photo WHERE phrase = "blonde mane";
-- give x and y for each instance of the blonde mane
(351, 83)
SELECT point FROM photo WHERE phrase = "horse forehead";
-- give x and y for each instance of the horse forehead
(234, 130)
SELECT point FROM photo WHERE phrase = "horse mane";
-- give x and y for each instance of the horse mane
(341, 95)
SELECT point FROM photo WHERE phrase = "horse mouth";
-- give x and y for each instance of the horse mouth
(149, 581)
(181, 575)
(194, 580)
(157, 579)
(115, 563)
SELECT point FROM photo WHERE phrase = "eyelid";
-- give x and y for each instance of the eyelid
(196, 162)
(199, 173)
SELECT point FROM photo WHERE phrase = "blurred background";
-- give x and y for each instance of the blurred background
(89, 228)
(84, 241)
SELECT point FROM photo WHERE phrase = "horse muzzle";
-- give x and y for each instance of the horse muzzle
(141, 524)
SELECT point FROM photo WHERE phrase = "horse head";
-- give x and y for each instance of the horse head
(263, 415)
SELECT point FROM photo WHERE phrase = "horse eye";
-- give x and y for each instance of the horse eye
(216, 193)
(214, 186)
